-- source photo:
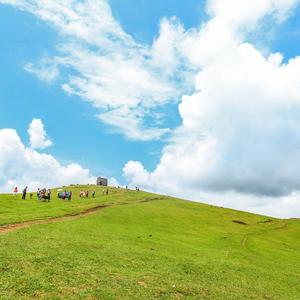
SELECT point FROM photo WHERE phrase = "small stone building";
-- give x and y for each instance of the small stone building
(102, 181)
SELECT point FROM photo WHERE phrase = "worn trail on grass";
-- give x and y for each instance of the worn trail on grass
(68, 217)
(246, 237)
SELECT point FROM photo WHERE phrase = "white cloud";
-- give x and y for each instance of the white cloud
(238, 144)
(123, 79)
(231, 22)
(21, 166)
(135, 173)
(37, 135)
(113, 182)
(46, 71)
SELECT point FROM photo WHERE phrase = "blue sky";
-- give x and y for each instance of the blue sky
(203, 106)
(69, 121)
(142, 18)
(287, 40)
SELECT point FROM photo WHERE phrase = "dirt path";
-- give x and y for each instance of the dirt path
(69, 217)
(261, 232)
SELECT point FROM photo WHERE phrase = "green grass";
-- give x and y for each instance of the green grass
(163, 249)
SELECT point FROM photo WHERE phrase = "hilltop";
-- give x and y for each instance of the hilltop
(138, 245)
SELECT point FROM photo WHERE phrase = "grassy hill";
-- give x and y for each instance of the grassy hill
(136, 245)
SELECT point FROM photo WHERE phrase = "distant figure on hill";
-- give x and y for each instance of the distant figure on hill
(87, 194)
(24, 193)
(93, 194)
(106, 191)
(16, 191)
(31, 195)
(38, 194)
(49, 194)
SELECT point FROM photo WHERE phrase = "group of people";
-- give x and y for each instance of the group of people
(42, 194)
(85, 194)
(24, 192)
(45, 194)
(65, 195)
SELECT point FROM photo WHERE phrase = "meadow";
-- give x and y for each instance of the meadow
(138, 245)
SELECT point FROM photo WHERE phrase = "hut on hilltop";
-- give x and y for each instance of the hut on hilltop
(102, 181)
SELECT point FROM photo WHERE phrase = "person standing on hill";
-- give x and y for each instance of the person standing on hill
(38, 194)
(24, 193)
(93, 194)
(16, 191)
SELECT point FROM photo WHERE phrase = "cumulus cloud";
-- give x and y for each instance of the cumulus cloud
(238, 144)
(124, 80)
(21, 166)
(37, 135)
(113, 182)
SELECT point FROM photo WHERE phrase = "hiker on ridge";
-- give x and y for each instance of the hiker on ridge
(38, 194)
(24, 193)
(16, 191)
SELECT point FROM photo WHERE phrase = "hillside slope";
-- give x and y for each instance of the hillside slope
(145, 246)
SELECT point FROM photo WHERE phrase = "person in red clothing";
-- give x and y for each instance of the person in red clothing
(16, 191)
